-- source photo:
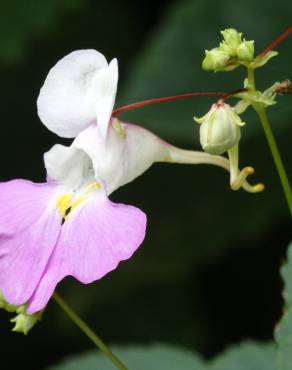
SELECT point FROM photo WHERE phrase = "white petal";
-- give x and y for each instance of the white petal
(125, 154)
(105, 89)
(67, 101)
(68, 166)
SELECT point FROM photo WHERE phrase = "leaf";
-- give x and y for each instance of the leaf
(156, 357)
(246, 356)
(283, 332)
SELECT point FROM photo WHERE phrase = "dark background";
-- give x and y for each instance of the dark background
(207, 274)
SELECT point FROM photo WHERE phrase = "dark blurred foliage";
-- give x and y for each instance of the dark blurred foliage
(207, 274)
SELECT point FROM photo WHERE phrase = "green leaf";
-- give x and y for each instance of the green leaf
(247, 356)
(157, 357)
(283, 332)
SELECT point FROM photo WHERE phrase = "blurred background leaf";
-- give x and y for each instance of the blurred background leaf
(246, 356)
(25, 21)
(283, 332)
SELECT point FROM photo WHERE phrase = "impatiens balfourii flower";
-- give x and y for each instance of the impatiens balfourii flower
(67, 225)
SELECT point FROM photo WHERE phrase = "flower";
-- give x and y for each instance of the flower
(67, 225)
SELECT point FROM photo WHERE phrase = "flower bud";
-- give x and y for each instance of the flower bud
(24, 322)
(220, 129)
(215, 60)
(245, 51)
(232, 40)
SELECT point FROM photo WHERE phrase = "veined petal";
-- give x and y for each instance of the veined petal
(29, 231)
(22, 203)
(92, 243)
(68, 99)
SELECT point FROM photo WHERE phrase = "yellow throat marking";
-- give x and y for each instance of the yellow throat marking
(65, 203)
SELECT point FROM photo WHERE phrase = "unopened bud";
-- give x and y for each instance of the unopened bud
(220, 129)
(232, 40)
(215, 60)
(24, 322)
(245, 51)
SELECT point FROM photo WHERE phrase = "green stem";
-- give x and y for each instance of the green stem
(251, 79)
(261, 111)
(88, 332)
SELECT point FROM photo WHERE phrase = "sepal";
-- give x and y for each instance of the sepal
(261, 60)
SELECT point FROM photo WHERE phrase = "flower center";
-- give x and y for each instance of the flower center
(67, 202)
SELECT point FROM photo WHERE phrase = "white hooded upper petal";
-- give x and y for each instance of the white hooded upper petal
(78, 91)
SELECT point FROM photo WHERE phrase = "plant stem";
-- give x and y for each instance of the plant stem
(88, 332)
(144, 103)
(261, 111)
(251, 79)
(276, 42)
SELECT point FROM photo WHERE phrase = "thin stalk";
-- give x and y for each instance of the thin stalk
(88, 332)
(276, 42)
(261, 111)
(144, 103)
(251, 79)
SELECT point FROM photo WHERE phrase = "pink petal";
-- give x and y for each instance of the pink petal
(92, 243)
(28, 234)
(21, 204)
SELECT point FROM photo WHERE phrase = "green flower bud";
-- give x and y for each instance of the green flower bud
(232, 40)
(24, 322)
(215, 60)
(220, 129)
(245, 51)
